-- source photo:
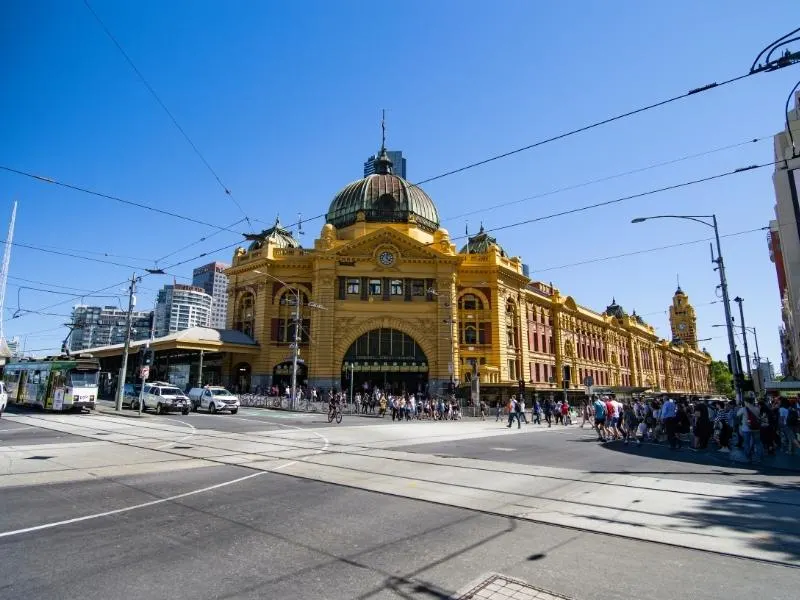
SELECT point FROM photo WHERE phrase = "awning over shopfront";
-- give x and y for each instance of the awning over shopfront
(194, 338)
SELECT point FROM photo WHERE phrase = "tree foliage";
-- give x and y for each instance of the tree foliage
(721, 378)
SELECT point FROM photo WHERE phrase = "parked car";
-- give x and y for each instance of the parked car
(130, 395)
(163, 398)
(3, 397)
(213, 399)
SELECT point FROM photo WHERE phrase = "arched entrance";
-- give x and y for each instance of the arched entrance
(282, 373)
(387, 359)
(241, 378)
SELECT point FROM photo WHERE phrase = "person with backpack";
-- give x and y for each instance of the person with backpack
(513, 412)
(750, 419)
(600, 418)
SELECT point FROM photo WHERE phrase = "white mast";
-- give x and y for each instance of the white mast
(4, 271)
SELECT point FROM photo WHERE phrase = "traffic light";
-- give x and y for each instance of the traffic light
(521, 388)
(145, 356)
(451, 387)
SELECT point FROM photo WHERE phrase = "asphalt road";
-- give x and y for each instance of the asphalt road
(275, 536)
(15, 434)
(576, 448)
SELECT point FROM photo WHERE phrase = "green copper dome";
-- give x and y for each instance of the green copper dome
(383, 198)
(479, 244)
(277, 235)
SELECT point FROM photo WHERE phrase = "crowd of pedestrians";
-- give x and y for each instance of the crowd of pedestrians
(753, 427)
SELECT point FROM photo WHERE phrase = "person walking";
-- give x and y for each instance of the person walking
(750, 416)
(499, 411)
(600, 418)
(521, 406)
(536, 412)
(669, 417)
(512, 412)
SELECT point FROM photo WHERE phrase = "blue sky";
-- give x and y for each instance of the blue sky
(284, 101)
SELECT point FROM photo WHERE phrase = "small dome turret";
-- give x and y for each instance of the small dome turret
(276, 235)
(480, 243)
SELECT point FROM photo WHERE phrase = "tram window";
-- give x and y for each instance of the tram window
(353, 286)
(397, 287)
(36, 378)
(374, 287)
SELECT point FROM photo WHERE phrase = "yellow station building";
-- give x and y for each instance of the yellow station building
(387, 298)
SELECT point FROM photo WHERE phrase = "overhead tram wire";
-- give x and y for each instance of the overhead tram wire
(625, 198)
(167, 111)
(768, 66)
(70, 255)
(195, 243)
(141, 205)
(610, 177)
(645, 251)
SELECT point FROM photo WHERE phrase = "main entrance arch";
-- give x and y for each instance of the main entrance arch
(385, 358)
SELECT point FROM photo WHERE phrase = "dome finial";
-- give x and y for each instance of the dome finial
(383, 164)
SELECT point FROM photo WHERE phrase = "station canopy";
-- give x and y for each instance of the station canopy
(194, 338)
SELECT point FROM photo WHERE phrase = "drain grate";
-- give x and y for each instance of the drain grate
(495, 586)
(38, 457)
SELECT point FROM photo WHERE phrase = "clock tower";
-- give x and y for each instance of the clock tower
(682, 320)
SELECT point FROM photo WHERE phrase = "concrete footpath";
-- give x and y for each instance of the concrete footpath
(743, 520)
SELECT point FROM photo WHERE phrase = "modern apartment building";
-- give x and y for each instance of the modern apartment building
(212, 279)
(180, 307)
(785, 235)
(105, 325)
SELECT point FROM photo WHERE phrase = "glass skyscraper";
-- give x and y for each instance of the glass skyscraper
(398, 163)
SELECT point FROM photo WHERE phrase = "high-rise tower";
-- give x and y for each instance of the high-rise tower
(682, 319)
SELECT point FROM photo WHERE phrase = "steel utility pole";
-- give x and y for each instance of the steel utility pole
(128, 318)
(295, 349)
(739, 301)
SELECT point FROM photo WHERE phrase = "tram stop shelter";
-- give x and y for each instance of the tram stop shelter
(217, 356)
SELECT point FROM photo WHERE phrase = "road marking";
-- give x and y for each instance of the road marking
(5, 534)
(21, 427)
(183, 439)
(504, 449)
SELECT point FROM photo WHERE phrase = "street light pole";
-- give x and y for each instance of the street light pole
(128, 318)
(297, 325)
(723, 281)
(739, 301)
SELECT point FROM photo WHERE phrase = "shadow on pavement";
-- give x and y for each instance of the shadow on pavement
(768, 514)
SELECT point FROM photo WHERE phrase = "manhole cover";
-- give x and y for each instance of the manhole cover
(501, 587)
(38, 457)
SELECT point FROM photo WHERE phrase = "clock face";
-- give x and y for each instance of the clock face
(386, 258)
(682, 326)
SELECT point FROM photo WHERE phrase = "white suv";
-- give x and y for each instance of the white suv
(213, 399)
(163, 398)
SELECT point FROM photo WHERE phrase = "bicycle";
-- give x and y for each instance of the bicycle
(335, 412)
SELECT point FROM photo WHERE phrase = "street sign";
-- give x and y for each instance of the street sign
(145, 372)
(588, 381)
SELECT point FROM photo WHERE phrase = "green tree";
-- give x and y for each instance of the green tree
(721, 378)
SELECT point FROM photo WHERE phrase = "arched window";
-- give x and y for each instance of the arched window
(287, 311)
(512, 328)
(245, 320)
(470, 302)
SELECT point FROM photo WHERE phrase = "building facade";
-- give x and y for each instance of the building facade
(105, 325)
(180, 307)
(786, 180)
(398, 163)
(683, 320)
(212, 279)
(386, 299)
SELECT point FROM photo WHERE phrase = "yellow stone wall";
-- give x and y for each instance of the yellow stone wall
(512, 304)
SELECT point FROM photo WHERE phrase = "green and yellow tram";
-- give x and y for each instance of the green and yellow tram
(54, 383)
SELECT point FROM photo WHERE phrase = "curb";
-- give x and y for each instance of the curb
(129, 414)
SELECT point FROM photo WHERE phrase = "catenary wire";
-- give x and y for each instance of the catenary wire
(770, 66)
(166, 110)
(141, 205)
(611, 177)
(645, 251)
(621, 199)
(87, 258)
